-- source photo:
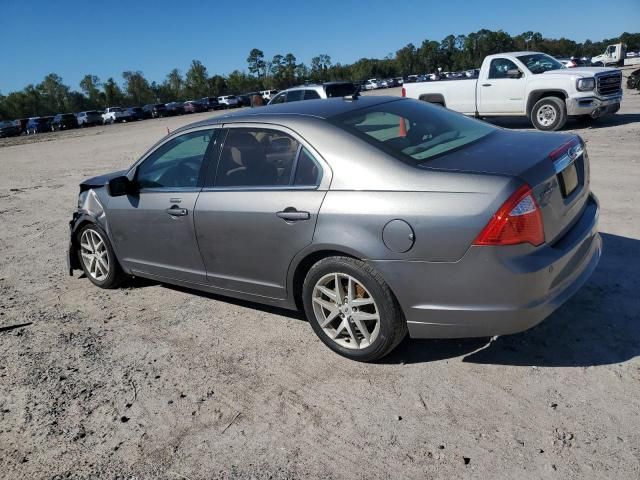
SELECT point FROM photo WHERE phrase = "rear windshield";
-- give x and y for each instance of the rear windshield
(540, 63)
(68, 116)
(340, 90)
(411, 130)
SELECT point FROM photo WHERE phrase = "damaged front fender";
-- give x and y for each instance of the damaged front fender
(90, 210)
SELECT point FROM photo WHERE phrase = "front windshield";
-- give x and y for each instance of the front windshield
(540, 63)
(411, 130)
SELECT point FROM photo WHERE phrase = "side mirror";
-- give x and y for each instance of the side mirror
(514, 73)
(120, 186)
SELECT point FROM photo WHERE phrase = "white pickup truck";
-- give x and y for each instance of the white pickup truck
(113, 115)
(528, 84)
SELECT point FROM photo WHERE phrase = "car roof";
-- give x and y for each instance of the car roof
(321, 109)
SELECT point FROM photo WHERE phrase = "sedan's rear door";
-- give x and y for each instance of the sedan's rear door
(259, 209)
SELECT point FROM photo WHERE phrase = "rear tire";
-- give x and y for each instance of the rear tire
(549, 114)
(361, 319)
(97, 258)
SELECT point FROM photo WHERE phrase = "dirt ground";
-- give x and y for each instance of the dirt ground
(155, 382)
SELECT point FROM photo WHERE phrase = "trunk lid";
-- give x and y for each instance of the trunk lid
(527, 156)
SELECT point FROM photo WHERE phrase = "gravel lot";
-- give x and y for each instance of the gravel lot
(152, 381)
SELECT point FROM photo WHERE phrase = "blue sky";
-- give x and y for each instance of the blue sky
(73, 38)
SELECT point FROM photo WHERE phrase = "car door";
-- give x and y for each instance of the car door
(259, 209)
(500, 94)
(153, 230)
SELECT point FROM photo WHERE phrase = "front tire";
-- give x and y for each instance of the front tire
(352, 309)
(97, 257)
(549, 114)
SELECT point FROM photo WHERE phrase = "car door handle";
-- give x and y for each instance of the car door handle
(486, 84)
(176, 211)
(290, 214)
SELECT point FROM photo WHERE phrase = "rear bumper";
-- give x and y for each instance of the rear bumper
(594, 106)
(495, 290)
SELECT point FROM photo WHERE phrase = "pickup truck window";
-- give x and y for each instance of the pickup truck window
(411, 130)
(540, 63)
(500, 66)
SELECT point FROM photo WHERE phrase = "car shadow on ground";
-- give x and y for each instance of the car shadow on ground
(572, 124)
(600, 325)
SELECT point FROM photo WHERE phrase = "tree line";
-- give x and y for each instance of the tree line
(453, 53)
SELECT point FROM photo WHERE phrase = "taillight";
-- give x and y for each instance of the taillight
(518, 221)
(564, 148)
(404, 92)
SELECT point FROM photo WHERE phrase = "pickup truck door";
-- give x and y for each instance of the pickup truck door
(497, 92)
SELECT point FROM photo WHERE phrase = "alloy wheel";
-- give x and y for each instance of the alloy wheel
(95, 257)
(346, 311)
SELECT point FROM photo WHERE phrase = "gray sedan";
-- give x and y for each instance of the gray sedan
(377, 216)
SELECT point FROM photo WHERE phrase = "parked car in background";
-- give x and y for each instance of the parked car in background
(175, 108)
(315, 92)
(268, 94)
(244, 100)
(372, 84)
(211, 103)
(633, 81)
(228, 101)
(135, 113)
(64, 121)
(22, 124)
(38, 125)
(449, 227)
(399, 80)
(527, 84)
(115, 114)
(155, 110)
(89, 118)
(9, 128)
(473, 73)
(568, 62)
(194, 106)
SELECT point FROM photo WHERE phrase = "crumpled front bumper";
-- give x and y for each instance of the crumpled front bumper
(593, 106)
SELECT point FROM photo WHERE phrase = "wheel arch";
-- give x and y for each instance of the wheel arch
(437, 98)
(303, 262)
(536, 95)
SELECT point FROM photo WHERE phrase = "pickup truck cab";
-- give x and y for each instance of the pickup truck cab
(528, 84)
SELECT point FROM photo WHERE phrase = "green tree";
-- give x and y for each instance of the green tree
(54, 94)
(174, 84)
(197, 80)
(113, 95)
(256, 62)
(406, 59)
(137, 87)
(319, 67)
(90, 86)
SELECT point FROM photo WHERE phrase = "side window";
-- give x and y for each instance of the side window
(311, 95)
(294, 95)
(256, 157)
(177, 163)
(500, 66)
(279, 98)
(308, 171)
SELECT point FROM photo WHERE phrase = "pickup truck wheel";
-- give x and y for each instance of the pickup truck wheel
(549, 114)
